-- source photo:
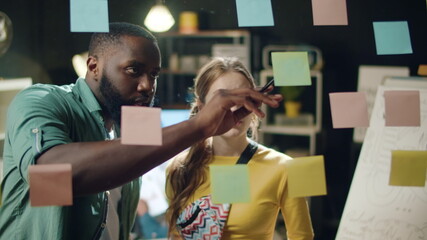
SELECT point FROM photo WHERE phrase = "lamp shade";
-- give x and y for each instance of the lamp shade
(159, 19)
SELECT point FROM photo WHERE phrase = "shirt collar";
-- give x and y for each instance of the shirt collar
(83, 90)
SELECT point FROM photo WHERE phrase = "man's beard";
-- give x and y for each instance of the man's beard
(113, 101)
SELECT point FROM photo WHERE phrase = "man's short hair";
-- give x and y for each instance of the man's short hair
(101, 42)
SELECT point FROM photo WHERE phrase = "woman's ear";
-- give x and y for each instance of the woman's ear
(199, 104)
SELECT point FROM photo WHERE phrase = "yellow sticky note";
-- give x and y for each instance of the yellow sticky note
(422, 70)
(141, 126)
(230, 183)
(306, 176)
(50, 185)
(408, 168)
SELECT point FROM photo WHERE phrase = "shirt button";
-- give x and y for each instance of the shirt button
(102, 225)
(35, 130)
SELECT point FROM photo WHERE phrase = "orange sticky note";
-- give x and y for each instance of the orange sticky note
(329, 12)
(408, 168)
(402, 108)
(141, 126)
(306, 176)
(50, 185)
(422, 70)
(349, 109)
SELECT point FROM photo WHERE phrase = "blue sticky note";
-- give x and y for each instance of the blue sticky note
(392, 38)
(291, 68)
(89, 15)
(254, 13)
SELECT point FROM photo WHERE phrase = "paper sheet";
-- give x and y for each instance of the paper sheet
(349, 109)
(392, 38)
(141, 126)
(50, 184)
(306, 176)
(408, 168)
(291, 69)
(89, 16)
(329, 12)
(422, 70)
(402, 108)
(230, 183)
(254, 13)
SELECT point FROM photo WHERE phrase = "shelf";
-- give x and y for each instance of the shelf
(207, 34)
(184, 54)
(317, 77)
(289, 130)
(167, 71)
(15, 84)
(310, 131)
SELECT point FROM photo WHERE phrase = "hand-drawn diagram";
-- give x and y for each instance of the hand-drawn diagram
(375, 210)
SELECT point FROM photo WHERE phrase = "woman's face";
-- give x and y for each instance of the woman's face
(232, 80)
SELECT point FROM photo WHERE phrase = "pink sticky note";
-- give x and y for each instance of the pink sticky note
(402, 108)
(141, 126)
(50, 184)
(329, 12)
(349, 110)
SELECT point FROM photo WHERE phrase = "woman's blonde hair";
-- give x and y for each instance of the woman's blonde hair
(187, 175)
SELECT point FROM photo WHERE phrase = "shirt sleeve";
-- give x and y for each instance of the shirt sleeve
(296, 215)
(35, 123)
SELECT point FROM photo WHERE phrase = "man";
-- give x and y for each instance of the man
(69, 124)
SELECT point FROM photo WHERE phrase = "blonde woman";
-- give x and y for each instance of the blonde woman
(188, 175)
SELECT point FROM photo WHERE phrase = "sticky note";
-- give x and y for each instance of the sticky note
(254, 13)
(422, 70)
(141, 126)
(306, 176)
(291, 68)
(408, 168)
(349, 109)
(230, 183)
(392, 38)
(402, 108)
(89, 16)
(50, 185)
(329, 12)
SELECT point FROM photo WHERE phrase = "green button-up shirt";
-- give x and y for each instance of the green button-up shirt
(41, 117)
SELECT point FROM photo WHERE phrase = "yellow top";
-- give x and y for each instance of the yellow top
(268, 181)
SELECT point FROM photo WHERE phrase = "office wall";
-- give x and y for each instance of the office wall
(43, 47)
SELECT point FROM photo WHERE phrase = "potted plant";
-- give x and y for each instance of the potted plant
(292, 103)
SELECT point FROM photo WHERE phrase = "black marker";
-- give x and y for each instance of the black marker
(263, 89)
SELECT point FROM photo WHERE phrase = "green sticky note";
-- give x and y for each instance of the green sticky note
(291, 68)
(408, 168)
(230, 183)
(392, 38)
(89, 16)
(306, 176)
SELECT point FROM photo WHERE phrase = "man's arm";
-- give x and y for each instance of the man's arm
(99, 166)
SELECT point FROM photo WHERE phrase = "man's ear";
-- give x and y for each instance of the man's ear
(92, 67)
